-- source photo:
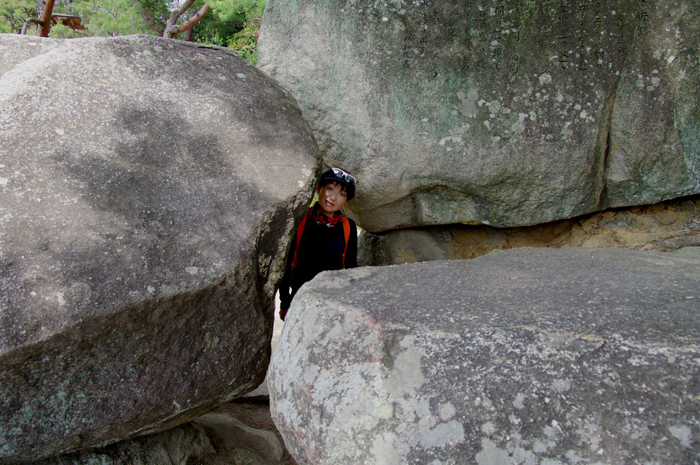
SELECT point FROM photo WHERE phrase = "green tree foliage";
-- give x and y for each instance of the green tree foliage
(245, 42)
(234, 24)
(155, 11)
(226, 18)
(229, 23)
(14, 12)
(102, 18)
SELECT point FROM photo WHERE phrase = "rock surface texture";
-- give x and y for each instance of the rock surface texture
(526, 356)
(662, 227)
(238, 432)
(147, 189)
(503, 113)
(177, 446)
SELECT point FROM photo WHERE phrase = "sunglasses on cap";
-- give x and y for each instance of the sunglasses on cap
(344, 175)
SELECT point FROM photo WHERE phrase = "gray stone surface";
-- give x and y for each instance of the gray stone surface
(148, 189)
(508, 113)
(237, 432)
(528, 356)
(178, 446)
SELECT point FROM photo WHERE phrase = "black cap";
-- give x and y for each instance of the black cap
(341, 176)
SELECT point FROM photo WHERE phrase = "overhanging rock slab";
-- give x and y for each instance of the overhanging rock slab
(504, 113)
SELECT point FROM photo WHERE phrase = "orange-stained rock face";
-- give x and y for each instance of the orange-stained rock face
(661, 227)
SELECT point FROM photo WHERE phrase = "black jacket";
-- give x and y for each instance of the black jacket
(321, 248)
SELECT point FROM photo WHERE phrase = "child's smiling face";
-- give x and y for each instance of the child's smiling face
(332, 197)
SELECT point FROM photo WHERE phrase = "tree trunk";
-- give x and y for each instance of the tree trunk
(46, 19)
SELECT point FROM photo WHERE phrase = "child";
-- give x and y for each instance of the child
(328, 239)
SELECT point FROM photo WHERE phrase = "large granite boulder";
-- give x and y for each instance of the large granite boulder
(526, 356)
(148, 193)
(663, 227)
(506, 113)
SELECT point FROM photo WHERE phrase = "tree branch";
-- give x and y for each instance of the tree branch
(180, 11)
(25, 24)
(174, 16)
(177, 29)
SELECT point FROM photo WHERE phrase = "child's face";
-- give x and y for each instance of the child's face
(332, 197)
